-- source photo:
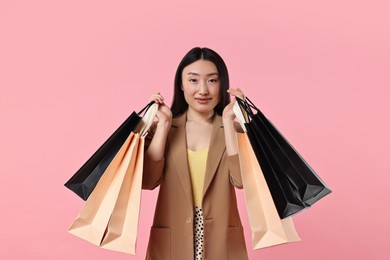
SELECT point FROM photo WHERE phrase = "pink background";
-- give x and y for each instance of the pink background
(72, 71)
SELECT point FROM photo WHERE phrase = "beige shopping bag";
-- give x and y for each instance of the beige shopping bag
(93, 218)
(109, 218)
(123, 225)
(267, 227)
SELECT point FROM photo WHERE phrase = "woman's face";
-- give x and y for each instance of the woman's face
(200, 84)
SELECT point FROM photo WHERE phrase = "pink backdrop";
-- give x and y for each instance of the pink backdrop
(72, 71)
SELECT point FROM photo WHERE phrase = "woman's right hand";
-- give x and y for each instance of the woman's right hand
(164, 114)
(155, 143)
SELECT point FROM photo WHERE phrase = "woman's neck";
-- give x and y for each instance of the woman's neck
(195, 116)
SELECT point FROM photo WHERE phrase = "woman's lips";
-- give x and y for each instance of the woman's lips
(203, 100)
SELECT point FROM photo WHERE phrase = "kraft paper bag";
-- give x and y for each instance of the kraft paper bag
(93, 218)
(109, 217)
(267, 227)
(123, 225)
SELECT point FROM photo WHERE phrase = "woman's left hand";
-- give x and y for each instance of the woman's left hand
(228, 113)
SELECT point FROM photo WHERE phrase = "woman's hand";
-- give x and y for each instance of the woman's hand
(154, 155)
(228, 113)
(164, 114)
(228, 122)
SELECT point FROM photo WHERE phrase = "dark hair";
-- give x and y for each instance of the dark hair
(179, 104)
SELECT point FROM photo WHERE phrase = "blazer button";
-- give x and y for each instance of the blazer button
(188, 220)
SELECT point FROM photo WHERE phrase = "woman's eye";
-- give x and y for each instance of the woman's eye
(193, 80)
(213, 80)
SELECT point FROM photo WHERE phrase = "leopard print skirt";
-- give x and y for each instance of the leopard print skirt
(198, 234)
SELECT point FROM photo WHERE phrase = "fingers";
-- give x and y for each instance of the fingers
(237, 92)
(164, 114)
(157, 98)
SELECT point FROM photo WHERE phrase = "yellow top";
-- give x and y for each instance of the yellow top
(197, 167)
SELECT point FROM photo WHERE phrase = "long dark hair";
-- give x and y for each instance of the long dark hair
(179, 104)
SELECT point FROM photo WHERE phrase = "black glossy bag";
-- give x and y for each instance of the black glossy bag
(293, 183)
(85, 179)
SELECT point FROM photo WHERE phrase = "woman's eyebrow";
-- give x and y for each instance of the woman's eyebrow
(197, 74)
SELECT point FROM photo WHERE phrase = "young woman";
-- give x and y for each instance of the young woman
(192, 154)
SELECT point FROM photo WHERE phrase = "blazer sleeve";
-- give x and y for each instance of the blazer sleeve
(153, 170)
(233, 162)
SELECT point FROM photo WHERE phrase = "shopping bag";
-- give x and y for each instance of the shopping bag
(123, 225)
(109, 217)
(293, 183)
(283, 193)
(93, 218)
(86, 178)
(308, 183)
(267, 227)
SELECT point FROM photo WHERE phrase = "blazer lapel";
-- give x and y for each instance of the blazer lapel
(178, 145)
(216, 149)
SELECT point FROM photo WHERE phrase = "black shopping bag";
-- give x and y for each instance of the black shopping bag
(293, 183)
(85, 179)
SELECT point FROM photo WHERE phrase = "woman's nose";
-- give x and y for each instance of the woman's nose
(203, 89)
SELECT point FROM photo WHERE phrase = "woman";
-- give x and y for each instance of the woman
(192, 154)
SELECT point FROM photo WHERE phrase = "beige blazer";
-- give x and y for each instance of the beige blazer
(171, 236)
